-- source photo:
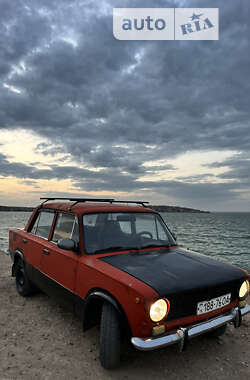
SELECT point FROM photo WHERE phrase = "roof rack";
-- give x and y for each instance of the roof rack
(137, 202)
(78, 200)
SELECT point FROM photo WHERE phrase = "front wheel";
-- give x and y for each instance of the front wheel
(110, 337)
(23, 284)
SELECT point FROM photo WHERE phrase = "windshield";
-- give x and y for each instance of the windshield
(107, 232)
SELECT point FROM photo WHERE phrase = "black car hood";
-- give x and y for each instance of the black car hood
(175, 270)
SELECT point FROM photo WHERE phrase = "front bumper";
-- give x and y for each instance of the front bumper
(181, 335)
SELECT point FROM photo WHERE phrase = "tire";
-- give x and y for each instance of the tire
(218, 332)
(110, 337)
(23, 285)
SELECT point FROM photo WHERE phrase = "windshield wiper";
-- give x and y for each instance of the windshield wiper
(117, 248)
(155, 245)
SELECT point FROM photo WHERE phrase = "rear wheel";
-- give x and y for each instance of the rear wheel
(110, 337)
(218, 332)
(23, 284)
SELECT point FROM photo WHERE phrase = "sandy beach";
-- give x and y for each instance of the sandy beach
(40, 340)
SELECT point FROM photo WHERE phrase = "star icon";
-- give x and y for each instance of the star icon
(196, 17)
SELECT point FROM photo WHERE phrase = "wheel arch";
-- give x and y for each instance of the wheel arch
(18, 255)
(93, 308)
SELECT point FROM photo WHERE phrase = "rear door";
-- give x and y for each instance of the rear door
(35, 242)
(60, 265)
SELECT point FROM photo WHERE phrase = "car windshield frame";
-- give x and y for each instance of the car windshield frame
(114, 247)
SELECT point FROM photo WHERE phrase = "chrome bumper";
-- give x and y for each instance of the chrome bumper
(183, 333)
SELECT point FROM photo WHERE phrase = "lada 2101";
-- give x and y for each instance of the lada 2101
(117, 263)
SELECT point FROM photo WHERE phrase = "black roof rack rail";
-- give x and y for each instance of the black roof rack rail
(78, 200)
(142, 203)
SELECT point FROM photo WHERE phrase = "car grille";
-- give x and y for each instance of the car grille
(185, 304)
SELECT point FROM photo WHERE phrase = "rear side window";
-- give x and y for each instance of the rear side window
(66, 227)
(43, 224)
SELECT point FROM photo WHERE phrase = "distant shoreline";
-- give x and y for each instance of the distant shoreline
(159, 208)
(162, 208)
(16, 208)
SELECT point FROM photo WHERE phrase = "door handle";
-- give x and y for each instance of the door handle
(24, 241)
(46, 251)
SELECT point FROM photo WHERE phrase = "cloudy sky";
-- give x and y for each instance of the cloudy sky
(82, 113)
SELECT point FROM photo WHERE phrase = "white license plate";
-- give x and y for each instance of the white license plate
(213, 304)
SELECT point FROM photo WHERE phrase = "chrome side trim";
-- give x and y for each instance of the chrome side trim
(179, 336)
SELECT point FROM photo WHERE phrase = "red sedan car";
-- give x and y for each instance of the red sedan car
(119, 265)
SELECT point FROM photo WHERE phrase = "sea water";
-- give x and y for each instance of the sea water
(225, 236)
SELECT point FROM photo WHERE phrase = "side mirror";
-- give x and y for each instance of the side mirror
(67, 244)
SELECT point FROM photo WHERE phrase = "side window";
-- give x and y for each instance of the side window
(33, 231)
(162, 235)
(43, 224)
(66, 227)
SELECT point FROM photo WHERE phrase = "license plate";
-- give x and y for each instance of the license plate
(213, 304)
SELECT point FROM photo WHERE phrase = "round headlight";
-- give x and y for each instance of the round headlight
(244, 289)
(158, 310)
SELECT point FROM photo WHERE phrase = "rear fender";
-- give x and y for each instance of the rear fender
(18, 256)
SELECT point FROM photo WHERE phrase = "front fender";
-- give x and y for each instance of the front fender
(93, 308)
(104, 296)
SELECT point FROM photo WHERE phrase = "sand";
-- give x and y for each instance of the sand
(40, 340)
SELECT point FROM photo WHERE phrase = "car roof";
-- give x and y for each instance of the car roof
(92, 207)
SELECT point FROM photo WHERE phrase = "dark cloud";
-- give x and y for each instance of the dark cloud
(48, 149)
(115, 105)
(237, 168)
(196, 178)
(111, 179)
